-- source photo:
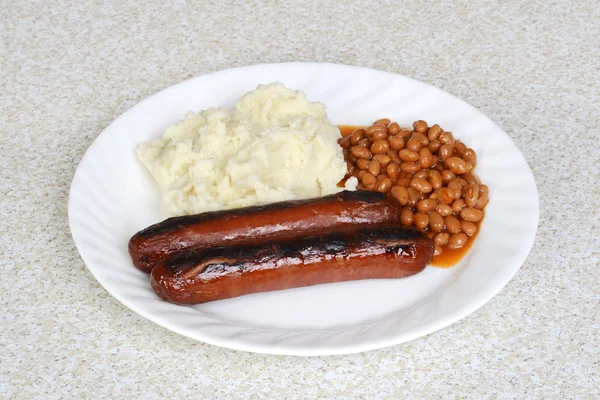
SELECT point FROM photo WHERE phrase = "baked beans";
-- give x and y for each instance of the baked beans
(436, 221)
(401, 194)
(375, 128)
(393, 128)
(393, 171)
(363, 164)
(393, 154)
(356, 136)
(459, 148)
(414, 144)
(434, 132)
(383, 121)
(483, 200)
(421, 220)
(471, 214)
(452, 224)
(441, 238)
(420, 126)
(422, 174)
(406, 216)
(458, 205)
(384, 185)
(470, 156)
(443, 209)
(425, 158)
(428, 171)
(413, 197)
(457, 241)
(360, 152)
(468, 227)
(471, 194)
(396, 142)
(421, 185)
(434, 146)
(426, 205)
(374, 167)
(364, 142)
(445, 152)
(408, 155)
(368, 179)
(383, 159)
(410, 167)
(445, 195)
(435, 178)
(403, 182)
(380, 135)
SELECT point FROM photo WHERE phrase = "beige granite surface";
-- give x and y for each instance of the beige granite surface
(67, 69)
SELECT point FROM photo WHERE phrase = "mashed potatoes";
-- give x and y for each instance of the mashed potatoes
(275, 145)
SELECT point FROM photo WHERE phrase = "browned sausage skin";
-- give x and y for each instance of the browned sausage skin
(282, 221)
(376, 252)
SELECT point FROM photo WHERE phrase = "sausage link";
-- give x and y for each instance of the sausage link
(282, 221)
(379, 252)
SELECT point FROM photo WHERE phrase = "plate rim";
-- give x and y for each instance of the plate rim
(427, 329)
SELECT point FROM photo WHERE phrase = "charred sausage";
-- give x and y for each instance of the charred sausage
(375, 252)
(281, 221)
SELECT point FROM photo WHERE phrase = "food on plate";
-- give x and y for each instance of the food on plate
(345, 210)
(428, 171)
(375, 252)
(274, 146)
(256, 202)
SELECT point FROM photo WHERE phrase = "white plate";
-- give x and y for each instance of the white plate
(112, 197)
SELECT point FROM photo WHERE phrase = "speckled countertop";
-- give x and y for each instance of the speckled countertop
(67, 69)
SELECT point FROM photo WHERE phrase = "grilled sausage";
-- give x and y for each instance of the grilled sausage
(195, 277)
(281, 221)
